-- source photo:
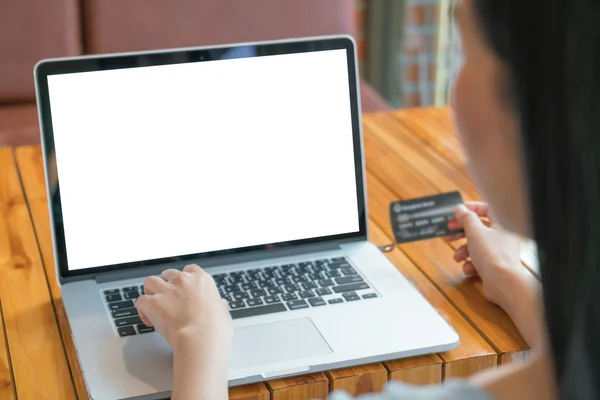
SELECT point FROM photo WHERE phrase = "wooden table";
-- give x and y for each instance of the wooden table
(409, 153)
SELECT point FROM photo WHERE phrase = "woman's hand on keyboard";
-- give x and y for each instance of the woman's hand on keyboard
(186, 309)
(184, 303)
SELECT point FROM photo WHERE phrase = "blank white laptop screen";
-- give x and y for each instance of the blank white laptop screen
(171, 160)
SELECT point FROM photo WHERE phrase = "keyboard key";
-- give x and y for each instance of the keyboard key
(111, 291)
(320, 263)
(288, 267)
(333, 273)
(340, 265)
(300, 278)
(237, 304)
(316, 276)
(323, 291)
(130, 288)
(266, 283)
(237, 273)
(272, 270)
(220, 281)
(320, 268)
(351, 287)
(303, 270)
(113, 297)
(258, 293)
(272, 299)
(129, 312)
(275, 290)
(348, 271)
(249, 286)
(141, 328)
(269, 275)
(254, 311)
(338, 259)
(239, 295)
(291, 288)
(316, 302)
(369, 295)
(336, 301)
(309, 285)
(351, 296)
(297, 304)
(254, 302)
(219, 276)
(126, 331)
(326, 282)
(226, 297)
(142, 289)
(348, 279)
(121, 305)
(235, 279)
(307, 294)
(128, 321)
(289, 296)
(131, 294)
(282, 281)
(305, 264)
(231, 288)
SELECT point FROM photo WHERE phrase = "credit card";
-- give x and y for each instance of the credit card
(425, 217)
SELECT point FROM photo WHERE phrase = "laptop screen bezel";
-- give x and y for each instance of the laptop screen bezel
(165, 57)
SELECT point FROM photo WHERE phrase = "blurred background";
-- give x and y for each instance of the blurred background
(407, 48)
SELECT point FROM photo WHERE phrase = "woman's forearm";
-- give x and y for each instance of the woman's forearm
(197, 375)
(525, 307)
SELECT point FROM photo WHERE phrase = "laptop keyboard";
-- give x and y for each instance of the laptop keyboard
(261, 291)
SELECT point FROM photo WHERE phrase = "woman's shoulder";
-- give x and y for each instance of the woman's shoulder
(453, 389)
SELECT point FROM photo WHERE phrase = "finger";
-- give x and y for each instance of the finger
(453, 238)
(154, 284)
(144, 306)
(145, 319)
(169, 274)
(192, 268)
(469, 269)
(468, 219)
(462, 253)
(478, 207)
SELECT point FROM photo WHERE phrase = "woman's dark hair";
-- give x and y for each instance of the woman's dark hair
(551, 53)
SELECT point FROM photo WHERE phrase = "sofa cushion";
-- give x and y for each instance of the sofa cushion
(117, 25)
(33, 30)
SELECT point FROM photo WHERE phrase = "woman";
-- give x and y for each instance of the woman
(527, 107)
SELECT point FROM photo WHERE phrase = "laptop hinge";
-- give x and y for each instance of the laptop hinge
(214, 262)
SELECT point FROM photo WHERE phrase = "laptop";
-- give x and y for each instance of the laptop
(246, 160)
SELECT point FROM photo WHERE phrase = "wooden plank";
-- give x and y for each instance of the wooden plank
(7, 389)
(435, 128)
(474, 353)
(417, 371)
(306, 387)
(358, 380)
(38, 359)
(31, 169)
(29, 160)
(257, 391)
(434, 257)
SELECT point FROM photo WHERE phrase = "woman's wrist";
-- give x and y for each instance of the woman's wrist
(523, 303)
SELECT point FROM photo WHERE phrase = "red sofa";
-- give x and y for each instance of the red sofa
(36, 29)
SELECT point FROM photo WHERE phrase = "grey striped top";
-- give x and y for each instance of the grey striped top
(453, 389)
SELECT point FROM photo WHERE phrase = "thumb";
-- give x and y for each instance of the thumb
(469, 220)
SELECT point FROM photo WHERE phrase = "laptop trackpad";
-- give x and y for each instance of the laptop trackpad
(276, 342)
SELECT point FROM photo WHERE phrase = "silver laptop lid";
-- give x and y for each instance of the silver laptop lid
(195, 153)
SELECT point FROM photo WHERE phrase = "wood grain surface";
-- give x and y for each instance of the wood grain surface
(37, 353)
